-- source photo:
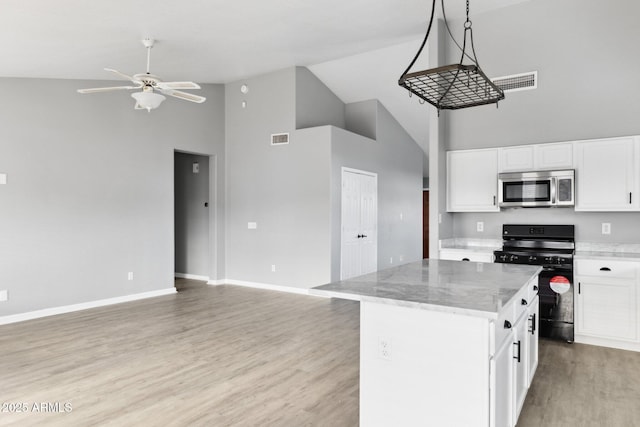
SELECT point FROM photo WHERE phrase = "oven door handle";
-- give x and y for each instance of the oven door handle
(554, 184)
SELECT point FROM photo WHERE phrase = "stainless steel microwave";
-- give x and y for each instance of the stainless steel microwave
(536, 189)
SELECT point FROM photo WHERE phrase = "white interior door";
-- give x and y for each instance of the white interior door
(359, 242)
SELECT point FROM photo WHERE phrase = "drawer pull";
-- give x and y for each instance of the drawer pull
(507, 324)
(465, 259)
(518, 355)
(605, 269)
(535, 287)
(524, 302)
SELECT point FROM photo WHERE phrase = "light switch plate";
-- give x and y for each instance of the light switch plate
(3, 178)
(606, 228)
(480, 226)
(4, 295)
(196, 168)
(252, 225)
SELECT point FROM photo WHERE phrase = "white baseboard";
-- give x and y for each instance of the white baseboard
(267, 286)
(603, 342)
(190, 276)
(4, 320)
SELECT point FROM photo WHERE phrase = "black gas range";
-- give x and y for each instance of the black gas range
(552, 247)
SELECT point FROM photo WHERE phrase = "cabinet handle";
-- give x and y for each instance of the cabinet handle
(524, 302)
(494, 200)
(518, 356)
(507, 324)
(629, 197)
(605, 269)
(465, 259)
(533, 324)
(578, 287)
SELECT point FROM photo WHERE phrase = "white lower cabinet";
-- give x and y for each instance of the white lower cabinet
(520, 363)
(502, 384)
(607, 303)
(532, 334)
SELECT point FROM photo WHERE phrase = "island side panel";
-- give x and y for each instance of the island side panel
(421, 367)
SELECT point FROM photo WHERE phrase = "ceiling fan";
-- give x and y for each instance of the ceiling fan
(149, 98)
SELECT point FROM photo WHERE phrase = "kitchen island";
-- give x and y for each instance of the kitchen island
(444, 342)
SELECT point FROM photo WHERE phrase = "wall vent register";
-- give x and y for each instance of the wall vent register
(279, 138)
(517, 82)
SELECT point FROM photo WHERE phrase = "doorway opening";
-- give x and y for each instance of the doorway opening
(194, 218)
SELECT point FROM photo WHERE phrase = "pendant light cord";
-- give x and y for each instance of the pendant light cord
(424, 42)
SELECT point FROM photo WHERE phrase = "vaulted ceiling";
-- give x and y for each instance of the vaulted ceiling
(357, 47)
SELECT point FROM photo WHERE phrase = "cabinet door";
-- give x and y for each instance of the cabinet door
(520, 364)
(516, 159)
(606, 175)
(472, 181)
(554, 156)
(607, 308)
(502, 385)
(532, 333)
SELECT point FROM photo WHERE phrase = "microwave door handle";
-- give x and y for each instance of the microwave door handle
(554, 185)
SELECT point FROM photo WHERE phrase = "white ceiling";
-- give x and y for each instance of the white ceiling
(218, 41)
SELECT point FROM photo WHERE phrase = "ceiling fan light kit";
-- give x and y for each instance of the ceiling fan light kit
(455, 86)
(148, 99)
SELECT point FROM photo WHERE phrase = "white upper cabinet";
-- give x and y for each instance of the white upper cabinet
(608, 174)
(536, 157)
(472, 180)
(554, 156)
(516, 159)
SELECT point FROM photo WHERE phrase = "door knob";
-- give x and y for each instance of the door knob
(364, 235)
(359, 236)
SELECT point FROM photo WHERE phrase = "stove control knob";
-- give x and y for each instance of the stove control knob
(503, 257)
(548, 259)
(532, 258)
(513, 258)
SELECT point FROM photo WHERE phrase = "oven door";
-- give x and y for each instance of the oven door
(556, 292)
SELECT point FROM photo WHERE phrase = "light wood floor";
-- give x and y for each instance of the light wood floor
(233, 356)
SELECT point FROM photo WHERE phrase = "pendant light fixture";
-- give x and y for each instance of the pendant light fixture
(455, 86)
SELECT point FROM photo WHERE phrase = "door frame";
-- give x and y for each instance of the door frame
(374, 175)
(213, 216)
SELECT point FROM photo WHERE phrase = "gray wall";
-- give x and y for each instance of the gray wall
(587, 88)
(284, 189)
(90, 193)
(191, 192)
(584, 52)
(362, 118)
(315, 104)
(397, 160)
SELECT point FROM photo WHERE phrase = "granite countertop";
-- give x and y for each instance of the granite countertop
(477, 289)
(618, 256)
(611, 251)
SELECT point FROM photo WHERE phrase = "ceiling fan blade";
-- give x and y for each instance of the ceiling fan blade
(121, 75)
(178, 85)
(107, 89)
(184, 95)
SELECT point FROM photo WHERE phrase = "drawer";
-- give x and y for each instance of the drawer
(464, 255)
(606, 268)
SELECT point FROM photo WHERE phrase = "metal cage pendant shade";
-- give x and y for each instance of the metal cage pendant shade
(456, 86)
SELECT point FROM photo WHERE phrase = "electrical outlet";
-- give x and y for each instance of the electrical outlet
(391, 260)
(273, 268)
(252, 225)
(606, 228)
(196, 168)
(3, 178)
(401, 217)
(130, 275)
(480, 226)
(401, 258)
(4, 295)
(384, 348)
